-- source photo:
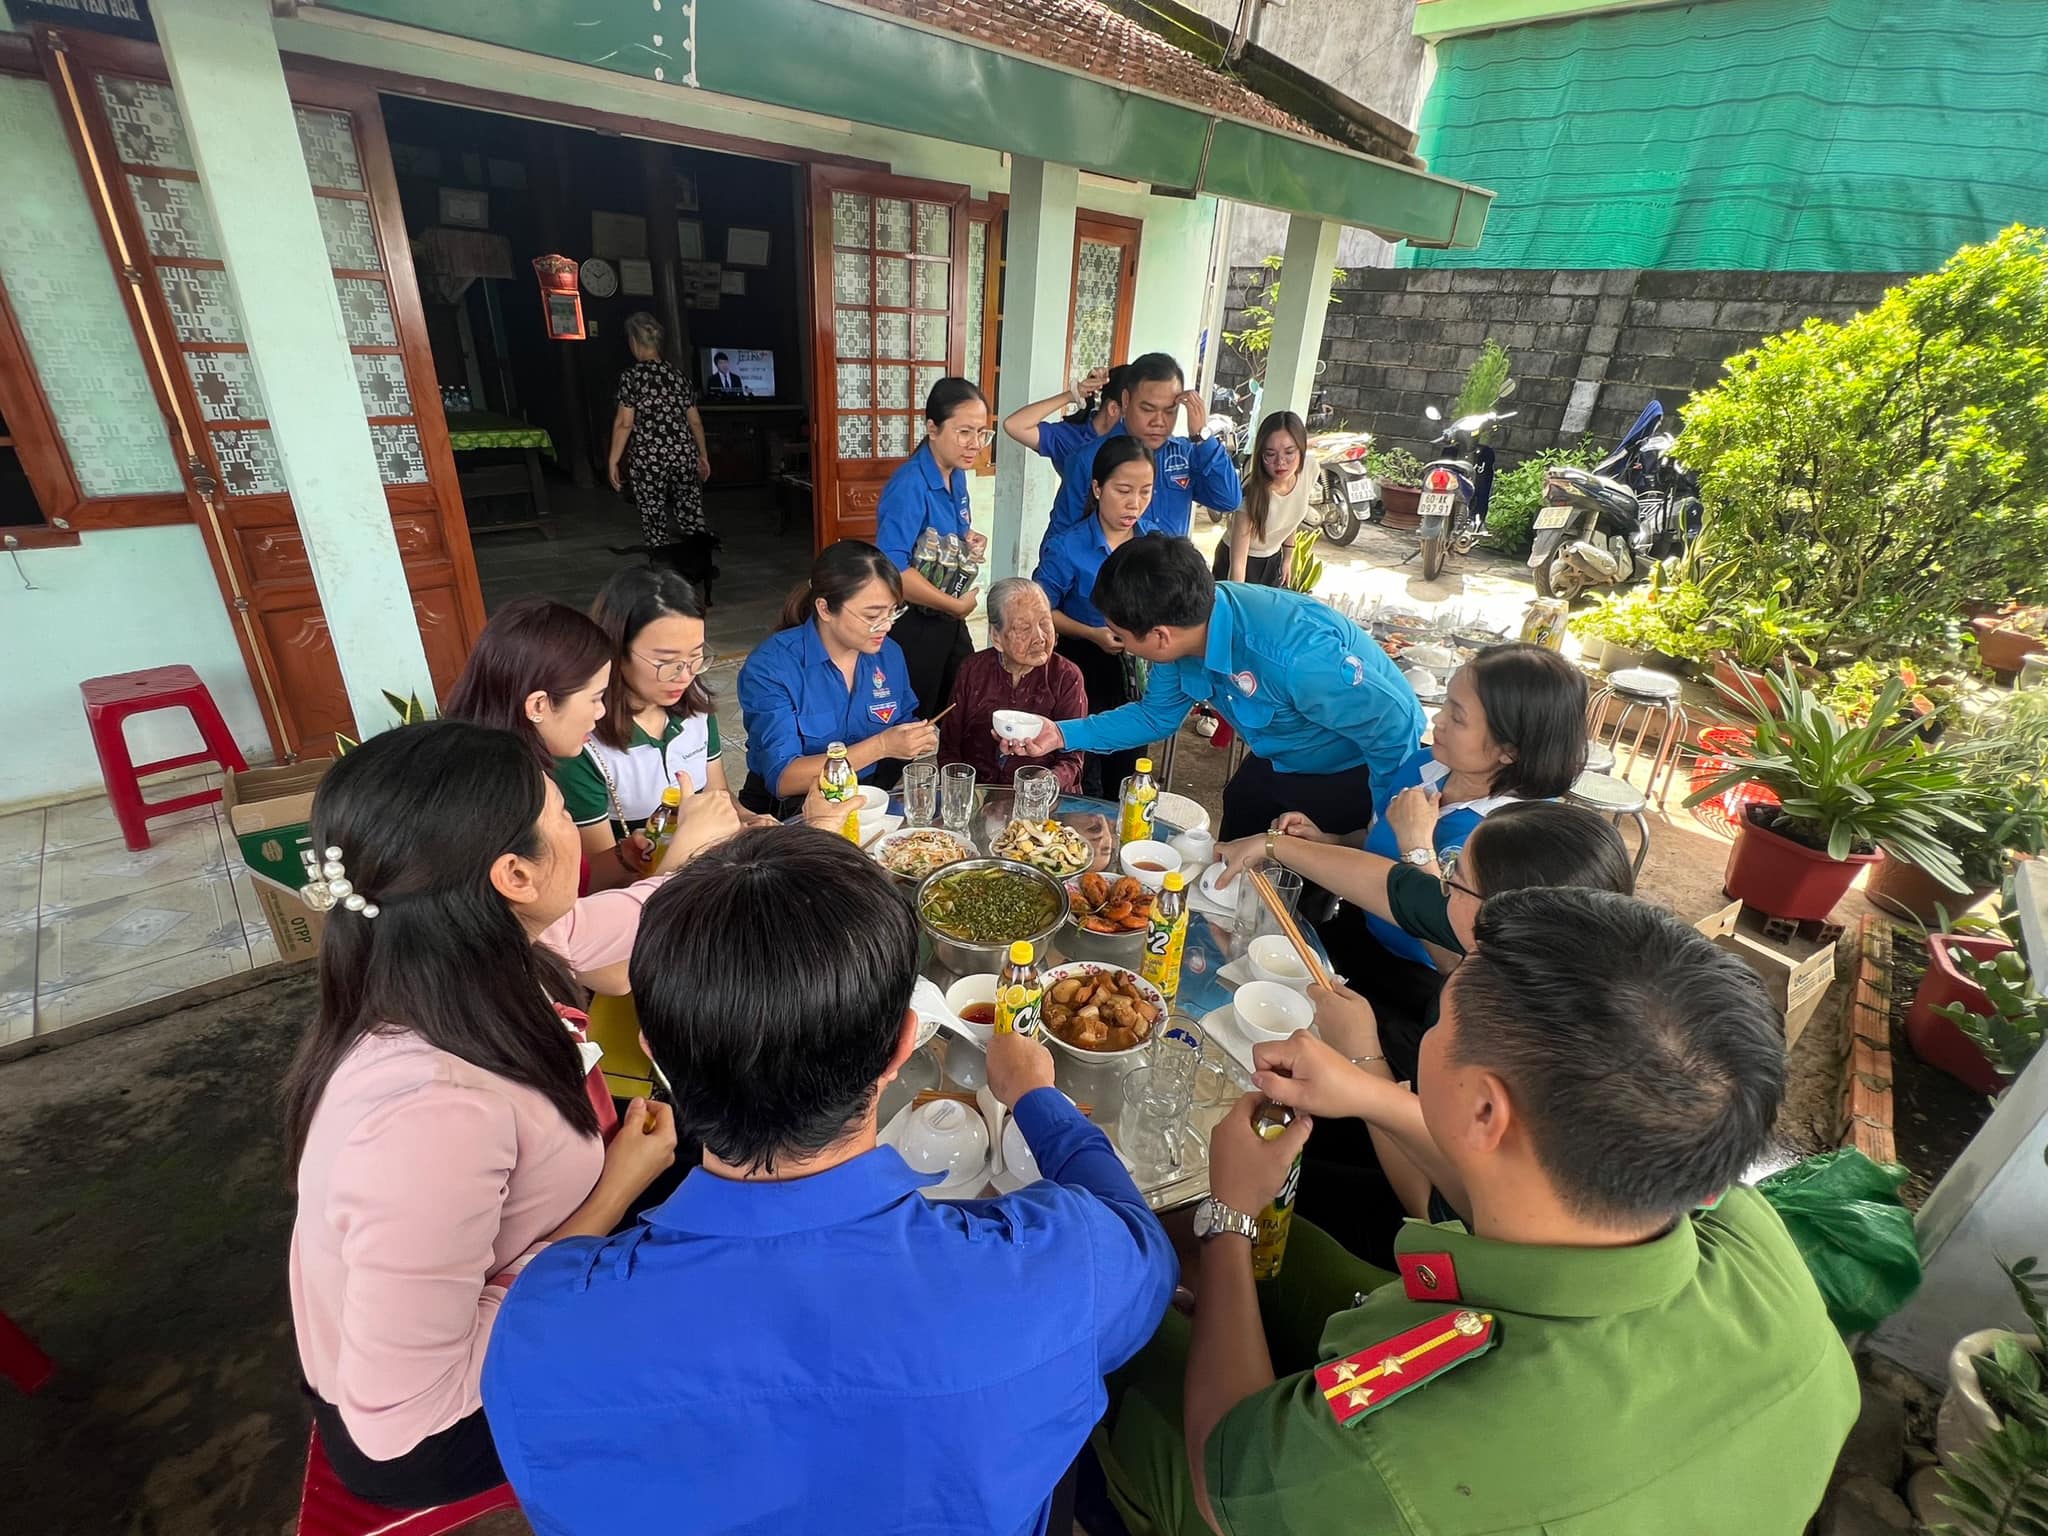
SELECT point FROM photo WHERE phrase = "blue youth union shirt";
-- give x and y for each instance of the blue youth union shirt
(1071, 448)
(1067, 567)
(796, 703)
(918, 497)
(1183, 473)
(1454, 824)
(1308, 690)
(832, 1354)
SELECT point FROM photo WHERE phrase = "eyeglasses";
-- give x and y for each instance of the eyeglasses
(980, 437)
(887, 621)
(674, 671)
(1447, 877)
(1279, 455)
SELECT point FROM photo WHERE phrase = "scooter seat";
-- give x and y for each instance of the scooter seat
(1570, 485)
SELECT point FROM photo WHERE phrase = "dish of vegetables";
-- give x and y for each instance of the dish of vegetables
(990, 906)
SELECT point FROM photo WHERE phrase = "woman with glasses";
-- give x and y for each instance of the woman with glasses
(657, 724)
(831, 673)
(929, 491)
(1512, 727)
(1275, 501)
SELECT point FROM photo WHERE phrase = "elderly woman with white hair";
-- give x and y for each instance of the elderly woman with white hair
(1018, 671)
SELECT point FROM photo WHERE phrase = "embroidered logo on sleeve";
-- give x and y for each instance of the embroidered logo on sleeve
(1366, 1381)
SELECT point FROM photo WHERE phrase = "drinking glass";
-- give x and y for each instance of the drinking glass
(1253, 916)
(1148, 1128)
(956, 797)
(921, 792)
(1038, 791)
(1176, 1052)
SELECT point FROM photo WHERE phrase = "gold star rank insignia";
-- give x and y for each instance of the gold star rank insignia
(1363, 1382)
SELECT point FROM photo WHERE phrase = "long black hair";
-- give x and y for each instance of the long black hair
(420, 814)
(840, 570)
(633, 599)
(1258, 494)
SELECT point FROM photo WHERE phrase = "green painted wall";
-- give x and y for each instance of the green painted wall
(1788, 135)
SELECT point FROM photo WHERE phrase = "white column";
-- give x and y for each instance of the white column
(1038, 279)
(230, 86)
(1305, 271)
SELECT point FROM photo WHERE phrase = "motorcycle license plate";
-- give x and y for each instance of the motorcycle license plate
(1553, 517)
(1359, 491)
(1437, 503)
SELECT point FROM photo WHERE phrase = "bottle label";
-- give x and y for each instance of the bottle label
(838, 783)
(1139, 808)
(1270, 1246)
(1017, 1009)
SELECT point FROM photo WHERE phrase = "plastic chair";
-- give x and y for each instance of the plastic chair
(20, 1361)
(110, 700)
(328, 1509)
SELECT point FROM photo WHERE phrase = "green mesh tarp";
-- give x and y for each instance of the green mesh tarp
(1801, 135)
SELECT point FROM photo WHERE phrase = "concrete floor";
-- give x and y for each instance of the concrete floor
(145, 1238)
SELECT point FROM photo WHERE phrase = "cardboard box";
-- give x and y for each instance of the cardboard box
(269, 810)
(1797, 972)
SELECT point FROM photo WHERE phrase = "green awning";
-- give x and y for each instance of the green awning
(845, 62)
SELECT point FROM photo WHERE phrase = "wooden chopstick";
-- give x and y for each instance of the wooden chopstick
(1288, 926)
(935, 719)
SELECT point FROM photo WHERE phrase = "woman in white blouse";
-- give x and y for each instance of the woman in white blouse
(1275, 502)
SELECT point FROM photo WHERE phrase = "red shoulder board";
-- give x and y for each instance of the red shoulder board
(1376, 1375)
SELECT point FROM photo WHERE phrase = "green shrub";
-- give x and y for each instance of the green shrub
(1894, 466)
(1483, 384)
(1669, 620)
(1518, 496)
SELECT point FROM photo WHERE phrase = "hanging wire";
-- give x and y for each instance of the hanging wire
(14, 552)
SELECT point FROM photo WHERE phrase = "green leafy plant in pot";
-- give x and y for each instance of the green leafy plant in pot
(1992, 1431)
(1848, 796)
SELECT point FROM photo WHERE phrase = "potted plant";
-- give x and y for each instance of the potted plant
(1398, 474)
(2008, 636)
(1952, 989)
(1992, 1430)
(1756, 634)
(1848, 796)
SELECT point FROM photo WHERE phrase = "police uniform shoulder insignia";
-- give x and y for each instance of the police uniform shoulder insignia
(1379, 1373)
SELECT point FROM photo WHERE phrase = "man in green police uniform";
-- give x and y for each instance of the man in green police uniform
(1616, 1348)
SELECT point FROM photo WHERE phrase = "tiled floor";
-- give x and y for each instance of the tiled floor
(88, 928)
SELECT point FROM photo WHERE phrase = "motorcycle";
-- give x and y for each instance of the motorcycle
(1457, 487)
(1610, 525)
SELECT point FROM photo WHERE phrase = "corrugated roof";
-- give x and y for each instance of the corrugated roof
(1088, 35)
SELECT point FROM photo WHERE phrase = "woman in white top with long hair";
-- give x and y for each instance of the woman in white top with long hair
(1275, 501)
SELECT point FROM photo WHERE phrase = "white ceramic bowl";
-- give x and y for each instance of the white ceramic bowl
(1135, 856)
(967, 991)
(1017, 724)
(873, 802)
(1266, 1010)
(1018, 1162)
(944, 1137)
(1273, 958)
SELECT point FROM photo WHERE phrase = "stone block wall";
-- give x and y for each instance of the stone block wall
(1400, 338)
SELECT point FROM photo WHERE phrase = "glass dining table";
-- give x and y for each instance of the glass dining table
(952, 1060)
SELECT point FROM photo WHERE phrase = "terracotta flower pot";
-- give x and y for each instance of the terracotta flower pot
(1732, 675)
(1783, 878)
(1402, 504)
(1934, 1039)
(1907, 890)
(2002, 649)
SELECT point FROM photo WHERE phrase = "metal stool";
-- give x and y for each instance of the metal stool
(1614, 798)
(1647, 697)
(1599, 757)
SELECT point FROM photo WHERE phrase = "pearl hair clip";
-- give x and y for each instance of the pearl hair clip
(327, 884)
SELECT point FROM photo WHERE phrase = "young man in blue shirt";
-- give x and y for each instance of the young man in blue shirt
(1187, 469)
(1322, 710)
(797, 1340)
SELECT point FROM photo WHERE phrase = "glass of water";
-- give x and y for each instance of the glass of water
(956, 797)
(1148, 1128)
(921, 792)
(1038, 791)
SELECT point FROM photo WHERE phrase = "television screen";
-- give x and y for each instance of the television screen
(734, 373)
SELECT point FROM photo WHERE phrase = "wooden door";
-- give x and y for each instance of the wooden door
(1105, 276)
(889, 270)
(132, 147)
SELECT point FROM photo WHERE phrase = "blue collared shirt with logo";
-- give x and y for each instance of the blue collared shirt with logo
(1183, 473)
(796, 703)
(1068, 564)
(1307, 689)
(918, 497)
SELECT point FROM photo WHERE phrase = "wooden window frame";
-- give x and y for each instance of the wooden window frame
(35, 436)
(994, 211)
(1106, 229)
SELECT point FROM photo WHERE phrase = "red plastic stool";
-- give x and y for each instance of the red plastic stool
(20, 1361)
(109, 701)
(328, 1509)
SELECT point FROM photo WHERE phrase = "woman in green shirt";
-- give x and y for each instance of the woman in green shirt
(658, 727)
(1360, 1178)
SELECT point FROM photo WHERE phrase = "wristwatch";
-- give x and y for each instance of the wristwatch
(1213, 1218)
(1419, 857)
